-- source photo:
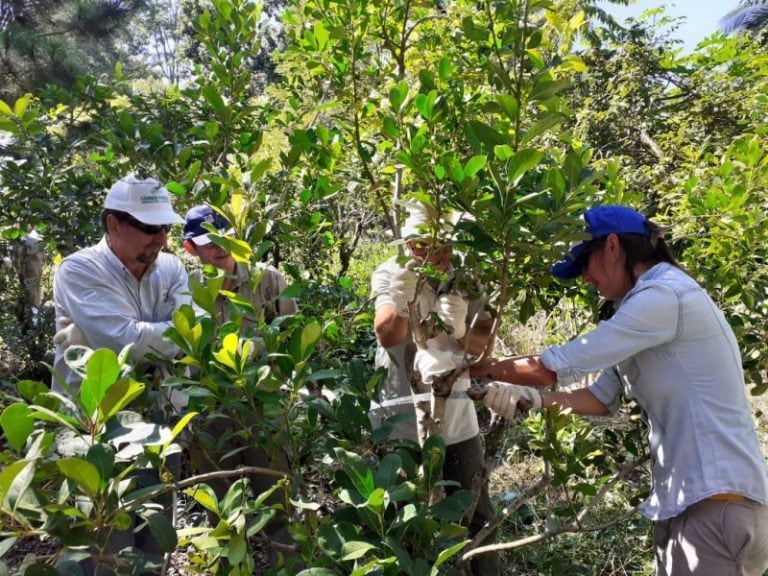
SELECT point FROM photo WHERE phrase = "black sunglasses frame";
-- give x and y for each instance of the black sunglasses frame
(149, 229)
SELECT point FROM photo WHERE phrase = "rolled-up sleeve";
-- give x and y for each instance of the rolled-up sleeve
(647, 318)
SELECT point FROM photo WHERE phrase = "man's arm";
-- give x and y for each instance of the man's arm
(524, 370)
(581, 401)
(390, 328)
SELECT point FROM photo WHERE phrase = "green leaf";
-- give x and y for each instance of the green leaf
(474, 165)
(357, 470)
(317, 572)
(503, 152)
(547, 122)
(82, 473)
(398, 94)
(509, 104)
(310, 335)
(228, 351)
(102, 371)
(237, 548)
(445, 69)
(485, 134)
(21, 105)
(29, 389)
(389, 127)
(388, 471)
(446, 555)
(547, 88)
(213, 97)
(425, 104)
(118, 396)
(162, 530)
(356, 549)
(522, 162)
(205, 496)
(176, 188)
(321, 35)
(433, 457)
(8, 475)
(103, 459)
(17, 424)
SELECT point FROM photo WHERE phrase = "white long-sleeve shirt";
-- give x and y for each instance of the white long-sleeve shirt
(113, 308)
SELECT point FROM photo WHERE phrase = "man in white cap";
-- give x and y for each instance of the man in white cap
(468, 326)
(124, 289)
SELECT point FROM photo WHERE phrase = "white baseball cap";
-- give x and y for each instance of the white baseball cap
(146, 200)
(420, 217)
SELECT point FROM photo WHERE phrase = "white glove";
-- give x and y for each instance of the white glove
(402, 289)
(503, 399)
(69, 334)
(255, 347)
(452, 310)
(430, 363)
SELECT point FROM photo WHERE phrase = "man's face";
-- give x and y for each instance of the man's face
(428, 251)
(216, 256)
(134, 241)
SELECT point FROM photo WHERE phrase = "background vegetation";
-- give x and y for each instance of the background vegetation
(307, 122)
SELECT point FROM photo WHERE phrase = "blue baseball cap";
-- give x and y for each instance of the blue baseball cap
(194, 220)
(601, 221)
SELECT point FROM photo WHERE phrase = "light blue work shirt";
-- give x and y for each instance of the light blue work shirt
(670, 349)
(113, 308)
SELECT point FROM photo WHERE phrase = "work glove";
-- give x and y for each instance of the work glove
(430, 363)
(452, 310)
(69, 334)
(402, 289)
(505, 399)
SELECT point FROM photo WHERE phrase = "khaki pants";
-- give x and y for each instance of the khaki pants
(462, 462)
(714, 538)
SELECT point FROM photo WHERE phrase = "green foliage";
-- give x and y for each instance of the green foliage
(483, 108)
(72, 473)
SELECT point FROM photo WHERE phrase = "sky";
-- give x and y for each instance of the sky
(701, 16)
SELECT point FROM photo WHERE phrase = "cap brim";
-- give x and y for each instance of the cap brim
(570, 266)
(158, 217)
(202, 240)
(205, 239)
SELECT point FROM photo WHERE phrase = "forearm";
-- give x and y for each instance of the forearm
(391, 329)
(524, 370)
(581, 401)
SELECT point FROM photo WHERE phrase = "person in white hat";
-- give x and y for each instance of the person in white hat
(393, 286)
(124, 289)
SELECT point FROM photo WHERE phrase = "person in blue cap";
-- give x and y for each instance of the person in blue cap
(219, 442)
(264, 297)
(669, 348)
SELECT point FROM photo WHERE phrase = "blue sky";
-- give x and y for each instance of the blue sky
(701, 16)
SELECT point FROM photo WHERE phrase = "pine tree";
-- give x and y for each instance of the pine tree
(55, 41)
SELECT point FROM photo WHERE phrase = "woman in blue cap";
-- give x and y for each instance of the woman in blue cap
(669, 348)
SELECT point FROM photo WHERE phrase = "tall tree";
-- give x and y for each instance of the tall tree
(55, 41)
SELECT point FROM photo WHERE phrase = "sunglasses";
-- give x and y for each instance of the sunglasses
(427, 246)
(150, 229)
